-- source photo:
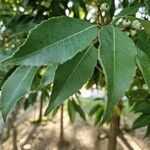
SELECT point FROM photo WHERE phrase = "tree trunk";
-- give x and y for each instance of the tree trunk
(62, 124)
(14, 130)
(114, 128)
(113, 131)
(14, 127)
(40, 110)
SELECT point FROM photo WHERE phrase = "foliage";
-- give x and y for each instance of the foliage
(76, 50)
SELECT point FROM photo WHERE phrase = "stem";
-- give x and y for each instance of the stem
(14, 138)
(62, 124)
(14, 127)
(114, 129)
(40, 110)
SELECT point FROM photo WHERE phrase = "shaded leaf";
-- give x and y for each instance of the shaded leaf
(148, 131)
(143, 43)
(94, 109)
(143, 62)
(130, 10)
(98, 116)
(71, 111)
(79, 109)
(141, 121)
(30, 100)
(146, 25)
(48, 76)
(55, 111)
(142, 107)
(15, 87)
(70, 76)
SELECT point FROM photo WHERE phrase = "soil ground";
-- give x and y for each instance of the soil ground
(78, 136)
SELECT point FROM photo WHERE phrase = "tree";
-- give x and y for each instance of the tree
(71, 49)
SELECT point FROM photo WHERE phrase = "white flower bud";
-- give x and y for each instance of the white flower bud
(104, 7)
(126, 23)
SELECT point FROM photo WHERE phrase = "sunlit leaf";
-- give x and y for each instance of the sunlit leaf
(117, 53)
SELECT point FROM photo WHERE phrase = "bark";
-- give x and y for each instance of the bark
(62, 124)
(114, 129)
(40, 110)
(14, 129)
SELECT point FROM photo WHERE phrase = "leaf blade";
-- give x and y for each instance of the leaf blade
(114, 56)
(54, 41)
(83, 62)
(143, 62)
(48, 77)
(15, 87)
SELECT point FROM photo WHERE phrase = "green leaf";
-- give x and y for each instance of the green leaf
(7, 75)
(143, 62)
(79, 110)
(138, 95)
(130, 10)
(125, 3)
(54, 41)
(70, 76)
(94, 109)
(6, 54)
(98, 116)
(71, 111)
(48, 77)
(142, 107)
(117, 57)
(143, 43)
(148, 6)
(30, 100)
(15, 87)
(141, 121)
(146, 25)
(148, 131)
(111, 4)
(54, 112)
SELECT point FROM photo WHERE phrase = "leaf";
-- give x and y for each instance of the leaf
(130, 10)
(143, 62)
(54, 41)
(125, 3)
(142, 107)
(15, 87)
(148, 131)
(94, 109)
(70, 76)
(7, 75)
(71, 111)
(30, 100)
(111, 4)
(98, 116)
(143, 43)
(48, 77)
(148, 6)
(55, 111)
(141, 121)
(79, 110)
(117, 57)
(146, 25)
(6, 54)
(138, 95)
